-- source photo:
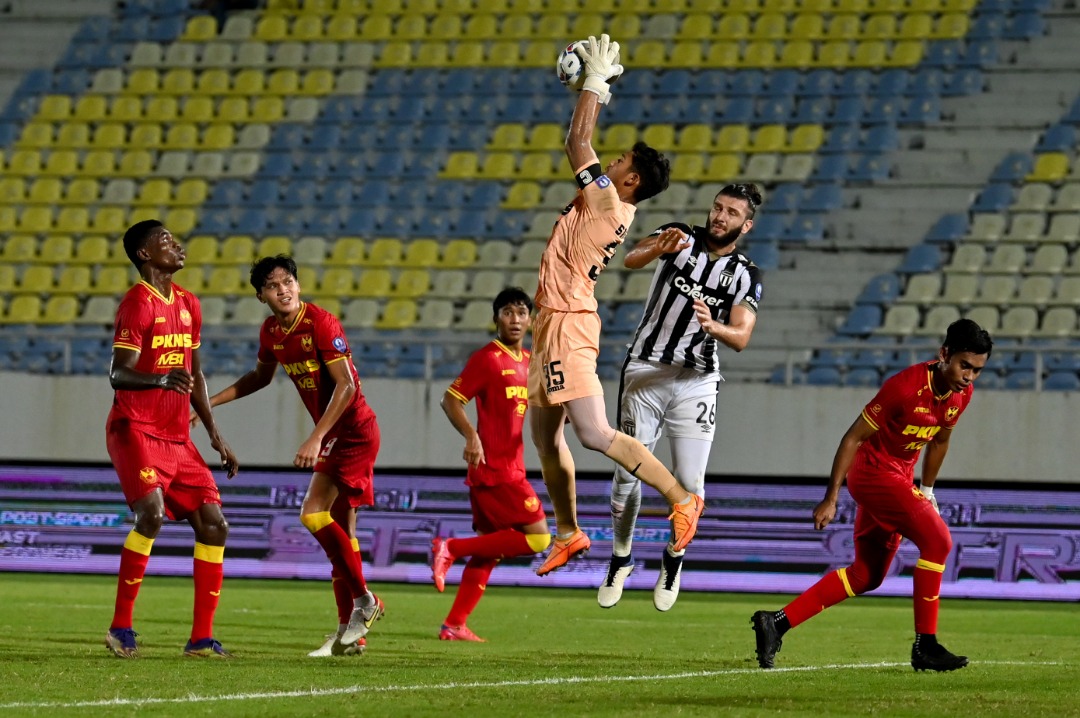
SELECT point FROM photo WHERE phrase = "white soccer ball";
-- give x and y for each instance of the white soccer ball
(569, 67)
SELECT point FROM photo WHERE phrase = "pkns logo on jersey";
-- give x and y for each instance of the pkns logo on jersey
(299, 369)
(926, 433)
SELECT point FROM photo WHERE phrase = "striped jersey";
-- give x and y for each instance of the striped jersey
(669, 332)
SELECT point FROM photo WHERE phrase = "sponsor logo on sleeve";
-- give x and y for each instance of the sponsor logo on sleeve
(603, 182)
(339, 344)
(757, 291)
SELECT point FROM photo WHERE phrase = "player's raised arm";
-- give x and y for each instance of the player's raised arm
(200, 402)
(600, 62)
(666, 241)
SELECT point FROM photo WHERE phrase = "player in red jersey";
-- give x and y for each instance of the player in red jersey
(310, 344)
(915, 409)
(506, 511)
(157, 376)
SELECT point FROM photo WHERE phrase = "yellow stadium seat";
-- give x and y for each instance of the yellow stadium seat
(461, 165)
(951, 26)
(507, 137)
(267, 109)
(57, 249)
(182, 136)
(660, 137)
(733, 138)
(695, 138)
(318, 82)
(38, 135)
(687, 54)
(770, 26)
(768, 138)
(60, 309)
(246, 83)
(723, 55)
(411, 28)
(201, 249)
(807, 26)
(805, 138)
(412, 283)
(834, 54)
(84, 191)
(395, 54)
(879, 27)
(109, 136)
(374, 282)
(522, 195)
(498, 165)
(481, 27)
(237, 249)
(546, 136)
(90, 108)
(555, 28)
(271, 28)
(23, 309)
(650, 53)
(733, 26)
(36, 279)
(144, 81)
(697, 26)
(26, 163)
(905, 53)
(162, 109)
(926, 6)
(233, 110)
(869, 53)
(73, 220)
(108, 220)
(504, 53)
(459, 253)
(537, 166)
(431, 54)
(7, 279)
(214, 82)
(341, 28)
(54, 108)
(178, 82)
(964, 6)
(796, 53)
(46, 190)
(145, 136)
(857, 7)
(619, 137)
(721, 168)
(8, 219)
(61, 162)
(283, 82)
(891, 7)
(218, 137)
(200, 29)
(915, 25)
(92, 250)
(467, 54)
(20, 248)
(190, 192)
(385, 252)
(376, 27)
(759, 54)
(422, 253)
(111, 280)
(73, 135)
(306, 28)
(460, 7)
(180, 220)
(12, 190)
(688, 166)
(347, 251)
(224, 281)
(843, 27)
(273, 246)
(398, 314)
(1049, 167)
(126, 109)
(318, 7)
(155, 192)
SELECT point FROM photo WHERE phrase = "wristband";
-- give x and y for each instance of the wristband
(927, 491)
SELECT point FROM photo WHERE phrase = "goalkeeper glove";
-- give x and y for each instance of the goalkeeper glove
(928, 492)
(601, 61)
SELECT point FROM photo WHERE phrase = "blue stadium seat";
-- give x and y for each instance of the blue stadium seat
(987, 26)
(870, 168)
(994, 197)
(668, 111)
(264, 192)
(637, 83)
(507, 224)
(214, 221)
(892, 83)
(482, 196)
(711, 83)
(879, 139)
(1024, 380)
(775, 110)
(746, 83)
(882, 110)
(949, 228)
(944, 54)
(1072, 115)
(920, 259)
(314, 166)
(882, 290)
(856, 83)
(287, 136)
(93, 30)
(823, 376)
(818, 83)
(785, 197)
(1061, 381)
(835, 358)
(672, 82)
(1013, 168)
(831, 168)
(72, 81)
(765, 254)
(864, 377)
(373, 194)
(823, 198)
(473, 137)
(626, 317)
(781, 84)
(769, 226)
(1062, 361)
(322, 224)
(130, 29)
(877, 359)
(966, 81)
(360, 222)
(812, 110)
(36, 82)
(779, 376)
(327, 137)
(8, 132)
(1024, 26)
(1057, 138)
(847, 110)
(929, 81)
(983, 53)
(738, 111)
(166, 29)
(252, 220)
(805, 228)
(373, 109)
(840, 138)
(276, 164)
(921, 110)
(300, 193)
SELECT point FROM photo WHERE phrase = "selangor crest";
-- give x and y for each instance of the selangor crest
(307, 343)
(951, 412)
(185, 317)
(532, 503)
(148, 475)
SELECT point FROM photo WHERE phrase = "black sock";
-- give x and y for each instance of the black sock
(783, 625)
(925, 640)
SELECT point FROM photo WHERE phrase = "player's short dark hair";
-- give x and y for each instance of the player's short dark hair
(747, 191)
(136, 237)
(964, 335)
(508, 296)
(653, 169)
(265, 266)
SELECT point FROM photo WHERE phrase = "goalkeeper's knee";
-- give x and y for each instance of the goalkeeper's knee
(538, 542)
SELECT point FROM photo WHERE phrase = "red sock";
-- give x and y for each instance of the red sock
(829, 591)
(473, 584)
(927, 584)
(208, 574)
(501, 544)
(335, 543)
(133, 559)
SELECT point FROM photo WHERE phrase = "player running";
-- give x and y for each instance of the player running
(157, 375)
(506, 511)
(310, 344)
(562, 375)
(915, 409)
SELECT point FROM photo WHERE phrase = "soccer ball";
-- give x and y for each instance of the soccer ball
(569, 67)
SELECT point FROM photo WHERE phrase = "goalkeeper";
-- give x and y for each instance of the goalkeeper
(563, 384)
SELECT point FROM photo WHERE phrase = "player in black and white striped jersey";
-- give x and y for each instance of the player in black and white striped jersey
(704, 293)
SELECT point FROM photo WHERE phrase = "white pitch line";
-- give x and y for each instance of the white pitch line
(349, 690)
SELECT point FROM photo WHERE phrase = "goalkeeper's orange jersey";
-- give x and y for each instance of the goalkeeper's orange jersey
(582, 243)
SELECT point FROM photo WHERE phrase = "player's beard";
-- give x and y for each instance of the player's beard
(719, 241)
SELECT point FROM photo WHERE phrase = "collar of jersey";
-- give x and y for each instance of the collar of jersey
(296, 322)
(930, 383)
(509, 351)
(156, 293)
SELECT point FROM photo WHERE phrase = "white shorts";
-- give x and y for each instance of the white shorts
(655, 397)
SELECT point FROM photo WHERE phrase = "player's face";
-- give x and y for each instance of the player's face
(620, 167)
(163, 252)
(512, 322)
(960, 369)
(281, 292)
(728, 219)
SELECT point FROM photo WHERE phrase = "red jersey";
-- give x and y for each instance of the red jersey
(907, 415)
(164, 330)
(497, 377)
(313, 342)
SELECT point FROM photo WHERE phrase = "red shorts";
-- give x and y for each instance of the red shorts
(350, 461)
(509, 505)
(145, 463)
(888, 504)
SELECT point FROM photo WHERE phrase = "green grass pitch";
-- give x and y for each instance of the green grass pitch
(549, 653)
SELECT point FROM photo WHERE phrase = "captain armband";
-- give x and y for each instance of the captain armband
(588, 175)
